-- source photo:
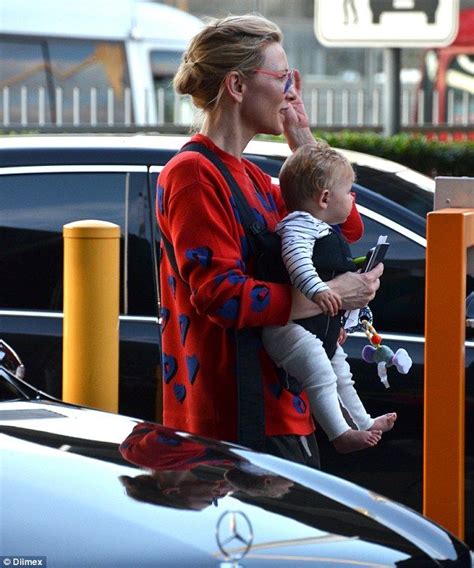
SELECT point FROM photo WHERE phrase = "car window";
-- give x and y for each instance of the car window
(141, 291)
(399, 303)
(34, 209)
(64, 78)
(407, 188)
(164, 64)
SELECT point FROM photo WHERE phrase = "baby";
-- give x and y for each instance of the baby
(316, 183)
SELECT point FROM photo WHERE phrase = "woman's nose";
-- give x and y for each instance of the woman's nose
(290, 95)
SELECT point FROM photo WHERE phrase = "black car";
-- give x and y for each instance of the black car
(81, 487)
(48, 181)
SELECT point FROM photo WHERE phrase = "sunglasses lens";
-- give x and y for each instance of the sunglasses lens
(289, 82)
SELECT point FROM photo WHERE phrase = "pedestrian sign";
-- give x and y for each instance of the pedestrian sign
(386, 23)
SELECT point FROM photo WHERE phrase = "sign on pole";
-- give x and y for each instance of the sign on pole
(386, 23)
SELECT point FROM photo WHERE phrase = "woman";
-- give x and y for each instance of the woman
(237, 73)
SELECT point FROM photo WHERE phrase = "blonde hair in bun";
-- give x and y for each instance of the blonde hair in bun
(223, 45)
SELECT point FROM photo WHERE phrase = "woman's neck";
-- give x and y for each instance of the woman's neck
(225, 129)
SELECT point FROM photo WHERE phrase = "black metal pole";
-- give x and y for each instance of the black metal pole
(392, 99)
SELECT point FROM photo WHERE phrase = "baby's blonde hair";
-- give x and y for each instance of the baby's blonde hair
(311, 169)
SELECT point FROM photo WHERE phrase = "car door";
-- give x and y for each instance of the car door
(36, 203)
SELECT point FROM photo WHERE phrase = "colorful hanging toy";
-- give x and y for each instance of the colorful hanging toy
(383, 355)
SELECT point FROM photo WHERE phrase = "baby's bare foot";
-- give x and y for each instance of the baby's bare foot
(384, 422)
(353, 440)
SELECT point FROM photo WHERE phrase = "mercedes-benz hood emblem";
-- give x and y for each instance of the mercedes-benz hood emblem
(234, 534)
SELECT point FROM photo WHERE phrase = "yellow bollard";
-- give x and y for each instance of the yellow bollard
(91, 314)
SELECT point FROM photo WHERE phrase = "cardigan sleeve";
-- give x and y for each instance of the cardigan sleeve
(353, 226)
(197, 216)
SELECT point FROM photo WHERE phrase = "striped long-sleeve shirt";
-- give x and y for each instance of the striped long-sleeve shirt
(299, 231)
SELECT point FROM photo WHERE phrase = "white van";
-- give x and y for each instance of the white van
(90, 62)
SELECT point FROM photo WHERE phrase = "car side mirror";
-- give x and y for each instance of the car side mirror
(10, 361)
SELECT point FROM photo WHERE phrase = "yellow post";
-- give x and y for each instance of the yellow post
(449, 233)
(91, 314)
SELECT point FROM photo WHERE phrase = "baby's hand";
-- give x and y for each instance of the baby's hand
(329, 302)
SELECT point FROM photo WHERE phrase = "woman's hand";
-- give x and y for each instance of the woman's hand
(296, 125)
(355, 289)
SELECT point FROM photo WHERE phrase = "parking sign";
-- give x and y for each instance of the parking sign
(386, 23)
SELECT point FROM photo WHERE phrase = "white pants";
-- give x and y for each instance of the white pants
(328, 383)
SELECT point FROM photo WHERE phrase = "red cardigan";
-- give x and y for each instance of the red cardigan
(155, 447)
(195, 213)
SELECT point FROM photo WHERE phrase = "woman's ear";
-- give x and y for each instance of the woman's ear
(234, 85)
